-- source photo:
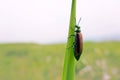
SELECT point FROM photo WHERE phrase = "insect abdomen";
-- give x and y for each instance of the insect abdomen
(78, 46)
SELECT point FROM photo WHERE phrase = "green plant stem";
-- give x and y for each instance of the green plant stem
(69, 62)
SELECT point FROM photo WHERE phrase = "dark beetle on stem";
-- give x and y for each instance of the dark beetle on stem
(78, 44)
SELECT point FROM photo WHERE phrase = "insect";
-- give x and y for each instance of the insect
(78, 43)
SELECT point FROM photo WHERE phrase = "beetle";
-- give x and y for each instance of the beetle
(78, 42)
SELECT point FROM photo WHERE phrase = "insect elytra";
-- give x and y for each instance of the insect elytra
(78, 44)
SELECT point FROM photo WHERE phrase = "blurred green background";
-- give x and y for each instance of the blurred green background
(29, 61)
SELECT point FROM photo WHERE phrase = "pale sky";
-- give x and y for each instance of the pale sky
(47, 21)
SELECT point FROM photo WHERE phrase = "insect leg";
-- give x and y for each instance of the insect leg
(71, 46)
(71, 36)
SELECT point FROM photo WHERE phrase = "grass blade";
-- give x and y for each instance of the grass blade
(69, 62)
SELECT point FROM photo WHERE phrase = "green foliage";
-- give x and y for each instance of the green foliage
(45, 62)
(31, 61)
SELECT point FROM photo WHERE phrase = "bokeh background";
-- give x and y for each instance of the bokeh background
(33, 36)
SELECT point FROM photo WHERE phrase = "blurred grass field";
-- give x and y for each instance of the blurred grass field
(99, 61)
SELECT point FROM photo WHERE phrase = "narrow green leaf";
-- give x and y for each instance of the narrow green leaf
(69, 62)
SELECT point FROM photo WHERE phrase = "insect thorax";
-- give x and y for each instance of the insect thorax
(77, 28)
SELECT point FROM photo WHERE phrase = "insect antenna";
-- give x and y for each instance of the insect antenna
(79, 21)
